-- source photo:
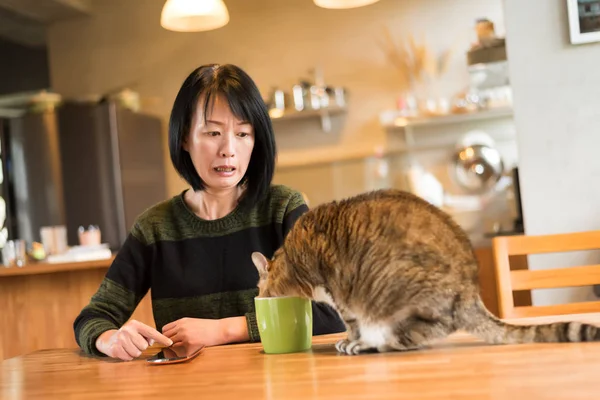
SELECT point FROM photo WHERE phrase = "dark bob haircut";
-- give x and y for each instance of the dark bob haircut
(246, 103)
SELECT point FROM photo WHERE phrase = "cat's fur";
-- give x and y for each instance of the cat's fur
(399, 271)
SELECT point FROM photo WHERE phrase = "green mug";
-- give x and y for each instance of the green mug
(284, 324)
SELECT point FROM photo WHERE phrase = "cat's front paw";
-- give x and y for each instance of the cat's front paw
(341, 345)
(350, 347)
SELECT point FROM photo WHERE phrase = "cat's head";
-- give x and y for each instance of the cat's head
(277, 277)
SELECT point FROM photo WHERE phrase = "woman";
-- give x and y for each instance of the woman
(194, 250)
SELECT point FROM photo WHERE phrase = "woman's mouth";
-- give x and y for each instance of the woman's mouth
(225, 170)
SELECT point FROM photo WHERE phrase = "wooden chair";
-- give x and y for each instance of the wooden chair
(508, 281)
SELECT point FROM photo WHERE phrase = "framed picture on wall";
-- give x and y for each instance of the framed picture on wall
(584, 21)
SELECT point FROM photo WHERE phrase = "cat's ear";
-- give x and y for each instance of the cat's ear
(260, 262)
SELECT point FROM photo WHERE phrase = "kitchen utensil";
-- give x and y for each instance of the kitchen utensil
(477, 167)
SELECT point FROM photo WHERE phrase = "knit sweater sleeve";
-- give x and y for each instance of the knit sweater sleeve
(123, 287)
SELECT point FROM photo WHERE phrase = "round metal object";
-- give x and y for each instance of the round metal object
(477, 168)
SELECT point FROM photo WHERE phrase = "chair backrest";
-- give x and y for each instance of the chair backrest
(508, 281)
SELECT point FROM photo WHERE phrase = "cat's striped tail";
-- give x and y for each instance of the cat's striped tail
(476, 319)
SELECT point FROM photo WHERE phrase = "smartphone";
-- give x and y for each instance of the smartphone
(169, 356)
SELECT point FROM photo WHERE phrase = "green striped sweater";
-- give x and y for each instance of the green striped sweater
(196, 268)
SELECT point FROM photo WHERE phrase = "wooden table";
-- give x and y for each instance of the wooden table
(459, 367)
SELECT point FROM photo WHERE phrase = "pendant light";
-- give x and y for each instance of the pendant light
(337, 4)
(194, 15)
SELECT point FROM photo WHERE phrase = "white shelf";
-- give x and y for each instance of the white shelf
(322, 113)
(393, 119)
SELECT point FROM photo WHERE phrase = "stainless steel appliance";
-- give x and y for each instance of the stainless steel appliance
(31, 183)
(113, 167)
(79, 164)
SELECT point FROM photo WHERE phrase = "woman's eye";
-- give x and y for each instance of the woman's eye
(215, 133)
(243, 134)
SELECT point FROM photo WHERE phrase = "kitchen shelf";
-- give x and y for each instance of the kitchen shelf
(18, 104)
(392, 119)
(11, 112)
(323, 113)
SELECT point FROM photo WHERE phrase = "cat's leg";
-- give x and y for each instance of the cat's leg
(418, 331)
(322, 294)
(407, 334)
(374, 337)
(363, 337)
(352, 330)
(371, 336)
(353, 335)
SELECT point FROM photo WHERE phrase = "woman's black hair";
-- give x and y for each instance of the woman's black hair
(246, 103)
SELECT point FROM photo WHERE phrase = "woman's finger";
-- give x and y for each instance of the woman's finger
(176, 338)
(127, 344)
(139, 341)
(151, 333)
(120, 353)
(169, 326)
(170, 332)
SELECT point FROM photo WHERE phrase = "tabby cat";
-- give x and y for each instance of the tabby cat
(399, 271)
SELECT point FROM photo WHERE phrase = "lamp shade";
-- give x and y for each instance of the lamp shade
(343, 3)
(194, 15)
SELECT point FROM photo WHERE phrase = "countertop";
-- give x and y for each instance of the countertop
(48, 268)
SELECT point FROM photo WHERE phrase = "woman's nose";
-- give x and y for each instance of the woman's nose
(227, 149)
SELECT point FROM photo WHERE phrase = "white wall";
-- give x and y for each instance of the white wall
(557, 114)
(276, 41)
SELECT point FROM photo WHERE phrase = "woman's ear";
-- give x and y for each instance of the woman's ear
(185, 143)
(261, 263)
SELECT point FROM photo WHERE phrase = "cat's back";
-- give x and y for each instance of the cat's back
(381, 202)
(392, 213)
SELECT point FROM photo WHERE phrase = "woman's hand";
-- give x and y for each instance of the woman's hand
(128, 342)
(193, 333)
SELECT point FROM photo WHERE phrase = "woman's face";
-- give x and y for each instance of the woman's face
(220, 148)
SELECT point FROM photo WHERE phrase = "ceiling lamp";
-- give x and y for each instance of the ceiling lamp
(344, 3)
(194, 15)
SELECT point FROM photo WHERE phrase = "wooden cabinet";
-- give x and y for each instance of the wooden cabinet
(39, 303)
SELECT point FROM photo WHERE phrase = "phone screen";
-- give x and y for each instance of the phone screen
(169, 356)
